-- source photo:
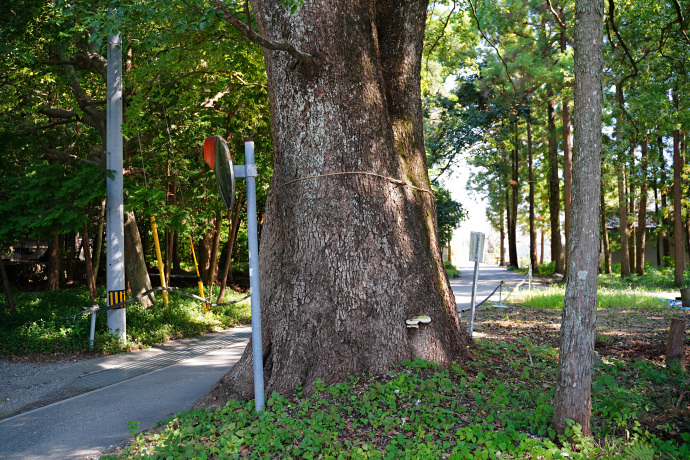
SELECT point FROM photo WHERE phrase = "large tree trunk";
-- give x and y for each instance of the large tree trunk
(642, 212)
(135, 266)
(573, 397)
(532, 225)
(554, 189)
(345, 259)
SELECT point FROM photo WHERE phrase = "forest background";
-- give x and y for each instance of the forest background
(508, 66)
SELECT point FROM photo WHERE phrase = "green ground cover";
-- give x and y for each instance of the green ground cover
(495, 406)
(49, 325)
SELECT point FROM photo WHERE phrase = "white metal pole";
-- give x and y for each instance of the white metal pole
(115, 266)
(474, 293)
(253, 243)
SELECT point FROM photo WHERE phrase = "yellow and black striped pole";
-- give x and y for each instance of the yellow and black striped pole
(154, 228)
(198, 277)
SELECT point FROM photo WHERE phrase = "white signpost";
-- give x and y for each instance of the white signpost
(217, 156)
(476, 252)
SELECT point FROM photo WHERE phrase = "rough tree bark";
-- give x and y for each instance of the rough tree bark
(573, 397)
(135, 266)
(345, 259)
(554, 188)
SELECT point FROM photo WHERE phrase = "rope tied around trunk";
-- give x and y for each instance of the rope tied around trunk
(342, 173)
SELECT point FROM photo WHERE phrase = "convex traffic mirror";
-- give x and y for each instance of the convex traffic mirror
(217, 156)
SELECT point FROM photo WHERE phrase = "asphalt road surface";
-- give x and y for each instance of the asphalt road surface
(489, 276)
(105, 394)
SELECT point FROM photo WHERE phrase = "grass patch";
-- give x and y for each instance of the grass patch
(553, 297)
(496, 406)
(451, 270)
(50, 323)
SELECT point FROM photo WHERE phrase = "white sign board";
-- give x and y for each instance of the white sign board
(476, 246)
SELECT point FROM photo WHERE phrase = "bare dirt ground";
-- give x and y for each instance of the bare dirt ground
(637, 334)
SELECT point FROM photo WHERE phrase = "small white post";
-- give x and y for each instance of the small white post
(530, 278)
(476, 252)
(92, 332)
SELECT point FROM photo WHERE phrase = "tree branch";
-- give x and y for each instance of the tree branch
(443, 31)
(556, 16)
(481, 32)
(620, 39)
(681, 19)
(253, 37)
(51, 112)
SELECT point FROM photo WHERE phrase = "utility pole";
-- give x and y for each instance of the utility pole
(115, 258)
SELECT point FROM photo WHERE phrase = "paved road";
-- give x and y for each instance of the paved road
(488, 278)
(112, 391)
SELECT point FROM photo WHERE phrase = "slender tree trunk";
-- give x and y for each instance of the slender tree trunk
(605, 233)
(214, 252)
(567, 145)
(512, 229)
(573, 397)
(567, 168)
(532, 224)
(554, 188)
(678, 246)
(666, 222)
(623, 217)
(336, 249)
(642, 212)
(176, 259)
(98, 246)
(502, 236)
(657, 217)
(8, 290)
(54, 263)
(632, 239)
(90, 278)
(541, 254)
(136, 271)
(509, 220)
(234, 219)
